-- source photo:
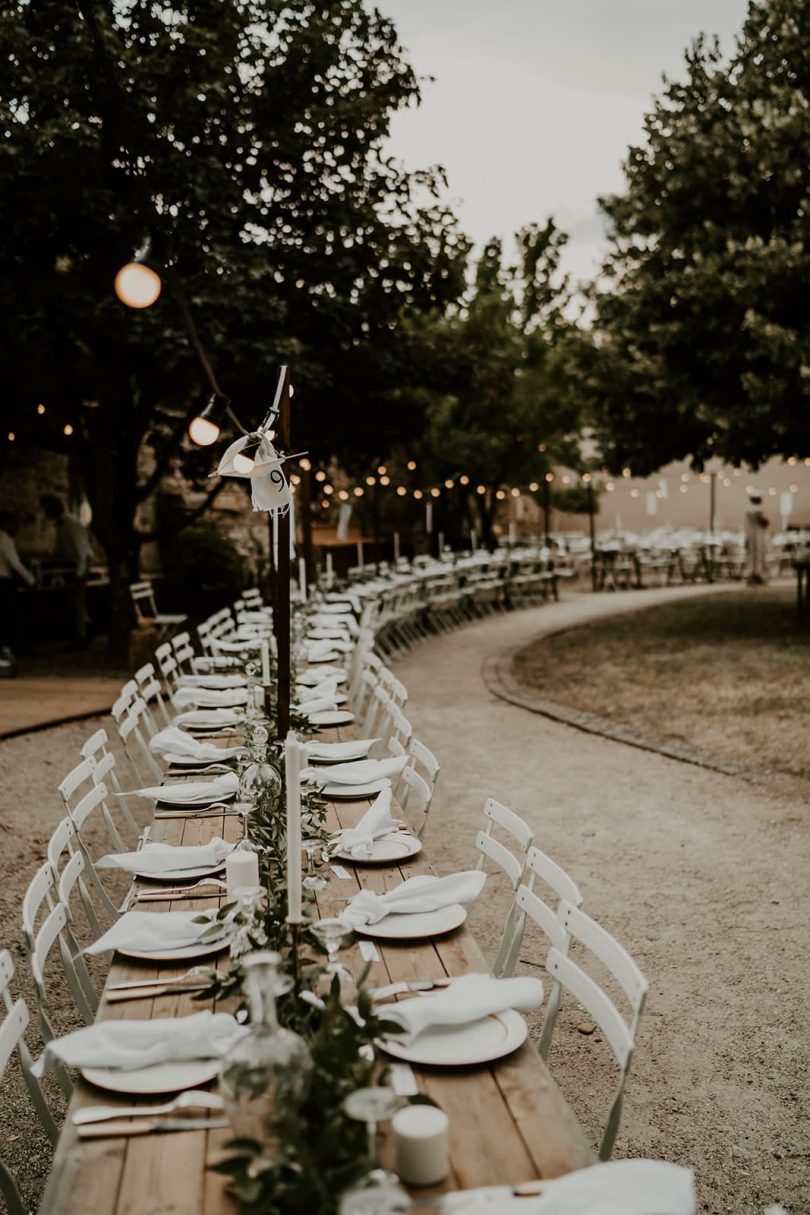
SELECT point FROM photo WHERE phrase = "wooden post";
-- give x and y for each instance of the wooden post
(281, 605)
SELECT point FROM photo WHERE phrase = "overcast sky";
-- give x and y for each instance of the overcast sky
(535, 102)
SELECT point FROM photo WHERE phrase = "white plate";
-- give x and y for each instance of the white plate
(180, 875)
(330, 657)
(395, 847)
(176, 955)
(463, 1045)
(188, 761)
(200, 805)
(355, 791)
(416, 927)
(331, 717)
(343, 752)
(159, 1078)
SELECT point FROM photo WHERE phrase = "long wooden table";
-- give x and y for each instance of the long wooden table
(508, 1121)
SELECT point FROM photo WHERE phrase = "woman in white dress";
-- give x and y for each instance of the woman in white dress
(756, 529)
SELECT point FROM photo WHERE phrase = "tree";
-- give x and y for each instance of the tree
(498, 404)
(246, 137)
(702, 326)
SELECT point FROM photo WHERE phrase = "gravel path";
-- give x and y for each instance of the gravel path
(698, 874)
(702, 876)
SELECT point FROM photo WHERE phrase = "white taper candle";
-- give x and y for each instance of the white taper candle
(292, 770)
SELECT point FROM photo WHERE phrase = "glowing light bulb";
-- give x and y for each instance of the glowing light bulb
(385, 480)
(328, 489)
(464, 480)
(343, 495)
(305, 464)
(67, 430)
(481, 489)
(401, 491)
(448, 484)
(358, 491)
(203, 432)
(515, 492)
(500, 494)
(11, 436)
(40, 410)
(626, 472)
(382, 470)
(417, 493)
(411, 465)
(137, 286)
(371, 480)
(549, 477)
(534, 487)
(320, 475)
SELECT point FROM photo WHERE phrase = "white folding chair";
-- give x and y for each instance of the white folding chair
(378, 706)
(130, 720)
(46, 923)
(12, 1038)
(414, 788)
(119, 816)
(529, 905)
(63, 844)
(183, 652)
(143, 599)
(424, 758)
(490, 848)
(150, 690)
(620, 1033)
(168, 666)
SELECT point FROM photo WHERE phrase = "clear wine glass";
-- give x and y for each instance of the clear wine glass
(331, 933)
(313, 879)
(379, 1192)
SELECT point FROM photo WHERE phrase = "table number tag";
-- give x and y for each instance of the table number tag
(369, 951)
(403, 1081)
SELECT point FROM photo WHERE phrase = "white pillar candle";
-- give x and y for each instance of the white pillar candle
(428, 517)
(441, 543)
(396, 546)
(473, 540)
(265, 663)
(330, 572)
(302, 578)
(512, 534)
(241, 871)
(360, 553)
(420, 1144)
(292, 769)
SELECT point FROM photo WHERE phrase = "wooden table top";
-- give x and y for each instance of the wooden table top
(508, 1121)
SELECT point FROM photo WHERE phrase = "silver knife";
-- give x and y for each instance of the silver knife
(144, 1126)
(464, 1200)
(397, 989)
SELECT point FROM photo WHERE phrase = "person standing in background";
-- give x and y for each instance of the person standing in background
(11, 570)
(756, 529)
(72, 546)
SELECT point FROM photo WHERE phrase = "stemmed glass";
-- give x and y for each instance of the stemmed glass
(313, 880)
(331, 933)
(379, 1192)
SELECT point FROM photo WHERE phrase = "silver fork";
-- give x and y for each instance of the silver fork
(193, 1099)
(194, 973)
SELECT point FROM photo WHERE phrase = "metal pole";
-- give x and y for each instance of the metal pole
(306, 525)
(546, 510)
(712, 500)
(281, 606)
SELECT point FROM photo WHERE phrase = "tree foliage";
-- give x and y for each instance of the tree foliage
(246, 137)
(499, 405)
(702, 323)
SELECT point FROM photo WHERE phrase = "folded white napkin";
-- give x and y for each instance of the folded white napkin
(190, 792)
(326, 620)
(317, 650)
(312, 678)
(134, 1044)
(209, 697)
(322, 631)
(357, 748)
(211, 663)
(256, 616)
(209, 717)
(164, 858)
(326, 688)
(618, 1187)
(467, 999)
(236, 647)
(320, 704)
(211, 681)
(374, 824)
(414, 896)
(314, 643)
(362, 772)
(174, 741)
(157, 932)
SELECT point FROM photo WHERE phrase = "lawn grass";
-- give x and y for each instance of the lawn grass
(728, 674)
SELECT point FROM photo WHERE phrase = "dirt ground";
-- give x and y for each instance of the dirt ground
(702, 876)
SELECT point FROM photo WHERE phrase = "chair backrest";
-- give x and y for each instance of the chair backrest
(46, 923)
(150, 690)
(529, 905)
(143, 598)
(620, 1033)
(414, 788)
(403, 730)
(512, 864)
(104, 771)
(15, 1022)
(132, 732)
(378, 714)
(167, 664)
(94, 805)
(183, 651)
(425, 758)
